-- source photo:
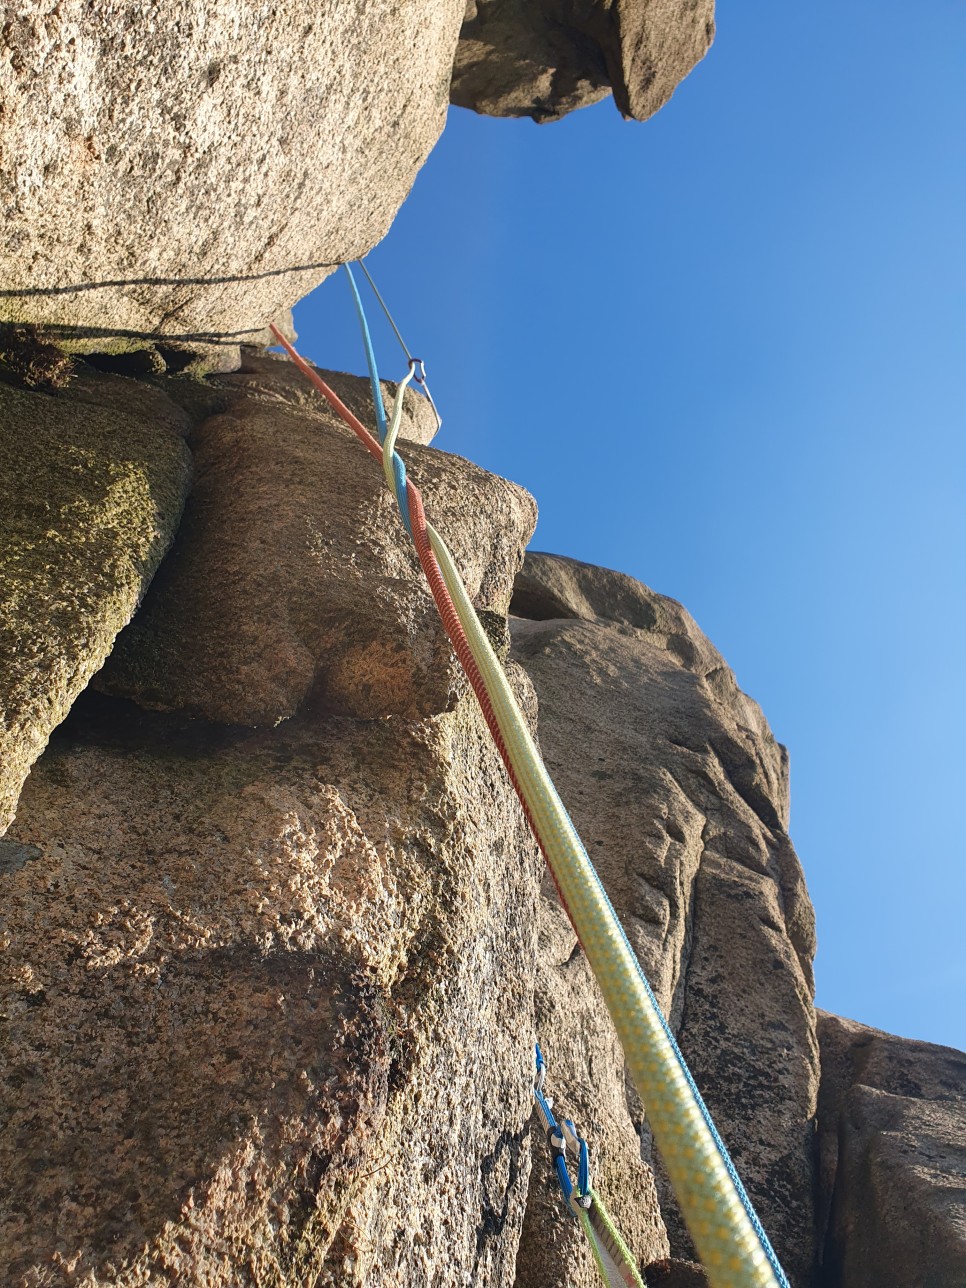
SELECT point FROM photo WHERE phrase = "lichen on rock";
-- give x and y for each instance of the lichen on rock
(28, 358)
(92, 483)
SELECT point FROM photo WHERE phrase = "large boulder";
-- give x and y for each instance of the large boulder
(92, 483)
(293, 579)
(543, 58)
(680, 793)
(268, 1006)
(190, 171)
(892, 1155)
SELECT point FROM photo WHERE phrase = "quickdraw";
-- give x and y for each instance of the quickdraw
(613, 1258)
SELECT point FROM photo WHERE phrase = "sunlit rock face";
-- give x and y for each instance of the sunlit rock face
(293, 578)
(190, 170)
(262, 989)
(188, 173)
(680, 792)
(268, 1005)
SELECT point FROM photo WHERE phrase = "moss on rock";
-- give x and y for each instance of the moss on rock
(29, 358)
(92, 485)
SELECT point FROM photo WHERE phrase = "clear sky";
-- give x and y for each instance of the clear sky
(725, 351)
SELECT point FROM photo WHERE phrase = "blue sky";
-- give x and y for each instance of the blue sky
(759, 297)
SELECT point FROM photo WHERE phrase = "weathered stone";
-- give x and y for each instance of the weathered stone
(586, 1080)
(272, 378)
(548, 586)
(92, 482)
(747, 1030)
(28, 359)
(268, 1006)
(674, 1273)
(680, 793)
(285, 323)
(892, 1159)
(136, 357)
(293, 577)
(542, 60)
(191, 171)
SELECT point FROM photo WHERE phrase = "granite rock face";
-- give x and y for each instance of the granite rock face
(92, 483)
(585, 1078)
(269, 994)
(680, 793)
(892, 1159)
(262, 992)
(185, 176)
(273, 379)
(293, 580)
(672, 1272)
(190, 171)
(268, 1004)
(543, 59)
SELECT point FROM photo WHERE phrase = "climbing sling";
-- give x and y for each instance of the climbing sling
(723, 1224)
(613, 1258)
